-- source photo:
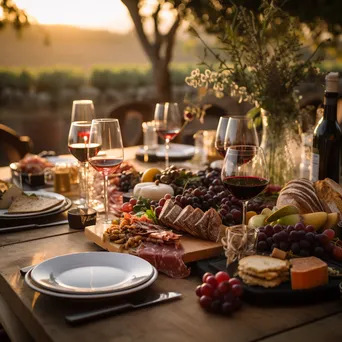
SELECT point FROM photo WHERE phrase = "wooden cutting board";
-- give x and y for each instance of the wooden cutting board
(194, 249)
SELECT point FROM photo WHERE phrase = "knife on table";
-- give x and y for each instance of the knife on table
(33, 225)
(79, 318)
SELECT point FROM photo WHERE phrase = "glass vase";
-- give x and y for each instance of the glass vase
(280, 150)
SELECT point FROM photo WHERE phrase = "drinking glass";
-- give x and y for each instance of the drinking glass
(221, 134)
(245, 173)
(83, 110)
(168, 124)
(109, 153)
(240, 131)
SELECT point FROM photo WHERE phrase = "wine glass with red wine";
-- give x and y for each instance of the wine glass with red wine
(109, 154)
(82, 110)
(168, 123)
(240, 131)
(220, 135)
(245, 173)
(78, 143)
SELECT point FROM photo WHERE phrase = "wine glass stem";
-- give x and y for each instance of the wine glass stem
(86, 168)
(105, 189)
(167, 147)
(244, 210)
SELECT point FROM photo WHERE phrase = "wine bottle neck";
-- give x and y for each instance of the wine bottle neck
(330, 106)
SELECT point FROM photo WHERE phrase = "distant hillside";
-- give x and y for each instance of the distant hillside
(71, 46)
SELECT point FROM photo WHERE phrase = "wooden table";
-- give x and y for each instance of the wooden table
(181, 320)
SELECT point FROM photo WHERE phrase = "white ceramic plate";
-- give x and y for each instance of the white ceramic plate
(175, 151)
(4, 212)
(92, 272)
(39, 289)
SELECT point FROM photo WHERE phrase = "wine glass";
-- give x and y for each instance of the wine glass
(109, 153)
(82, 110)
(240, 131)
(221, 134)
(168, 123)
(78, 140)
(245, 173)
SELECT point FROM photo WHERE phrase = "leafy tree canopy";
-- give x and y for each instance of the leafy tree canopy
(11, 14)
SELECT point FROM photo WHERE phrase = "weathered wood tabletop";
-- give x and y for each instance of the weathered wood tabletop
(181, 320)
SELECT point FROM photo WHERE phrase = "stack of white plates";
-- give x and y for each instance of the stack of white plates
(64, 204)
(91, 275)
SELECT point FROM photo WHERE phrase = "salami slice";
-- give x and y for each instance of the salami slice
(165, 258)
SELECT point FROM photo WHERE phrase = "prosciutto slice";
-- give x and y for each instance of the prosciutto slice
(165, 258)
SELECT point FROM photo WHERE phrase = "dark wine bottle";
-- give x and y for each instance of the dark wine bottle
(326, 146)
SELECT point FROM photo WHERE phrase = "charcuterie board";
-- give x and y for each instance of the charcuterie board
(194, 249)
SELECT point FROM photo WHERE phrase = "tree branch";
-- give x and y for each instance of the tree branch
(133, 9)
(170, 39)
(158, 37)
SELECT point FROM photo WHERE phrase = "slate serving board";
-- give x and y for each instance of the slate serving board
(280, 295)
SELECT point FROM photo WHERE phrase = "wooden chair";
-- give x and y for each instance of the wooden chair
(13, 147)
(131, 116)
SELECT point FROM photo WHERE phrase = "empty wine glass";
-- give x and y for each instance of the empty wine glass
(168, 124)
(240, 131)
(245, 173)
(82, 110)
(109, 153)
(221, 134)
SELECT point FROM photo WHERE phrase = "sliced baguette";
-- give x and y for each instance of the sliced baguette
(168, 205)
(192, 219)
(215, 222)
(173, 214)
(180, 221)
(202, 226)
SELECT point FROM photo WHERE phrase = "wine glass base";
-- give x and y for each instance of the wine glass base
(101, 220)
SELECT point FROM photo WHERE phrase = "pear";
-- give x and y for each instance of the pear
(266, 211)
(284, 211)
(289, 220)
(317, 220)
(256, 221)
(331, 221)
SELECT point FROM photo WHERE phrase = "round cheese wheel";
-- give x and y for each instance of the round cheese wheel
(152, 191)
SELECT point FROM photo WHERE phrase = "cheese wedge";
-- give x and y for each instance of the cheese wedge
(307, 273)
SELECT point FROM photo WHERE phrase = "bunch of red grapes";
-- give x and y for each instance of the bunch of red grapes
(300, 239)
(219, 293)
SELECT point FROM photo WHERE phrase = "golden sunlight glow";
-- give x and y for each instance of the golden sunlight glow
(99, 14)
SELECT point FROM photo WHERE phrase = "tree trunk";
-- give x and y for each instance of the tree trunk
(162, 81)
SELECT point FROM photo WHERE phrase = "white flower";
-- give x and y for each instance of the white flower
(207, 73)
(188, 80)
(194, 83)
(219, 94)
(195, 73)
(204, 78)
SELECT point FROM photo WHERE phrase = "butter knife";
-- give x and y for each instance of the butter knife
(33, 225)
(80, 318)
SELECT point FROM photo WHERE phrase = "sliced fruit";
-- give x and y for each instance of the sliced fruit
(289, 220)
(148, 175)
(249, 215)
(284, 211)
(256, 221)
(317, 220)
(331, 221)
(266, 211)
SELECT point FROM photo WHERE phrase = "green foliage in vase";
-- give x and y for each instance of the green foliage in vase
(261, 61)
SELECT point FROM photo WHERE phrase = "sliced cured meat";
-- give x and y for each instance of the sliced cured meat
(165, 258)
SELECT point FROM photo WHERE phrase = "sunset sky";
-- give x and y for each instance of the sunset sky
(96, 14)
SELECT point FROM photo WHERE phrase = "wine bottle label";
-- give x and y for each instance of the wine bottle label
(314, 172)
